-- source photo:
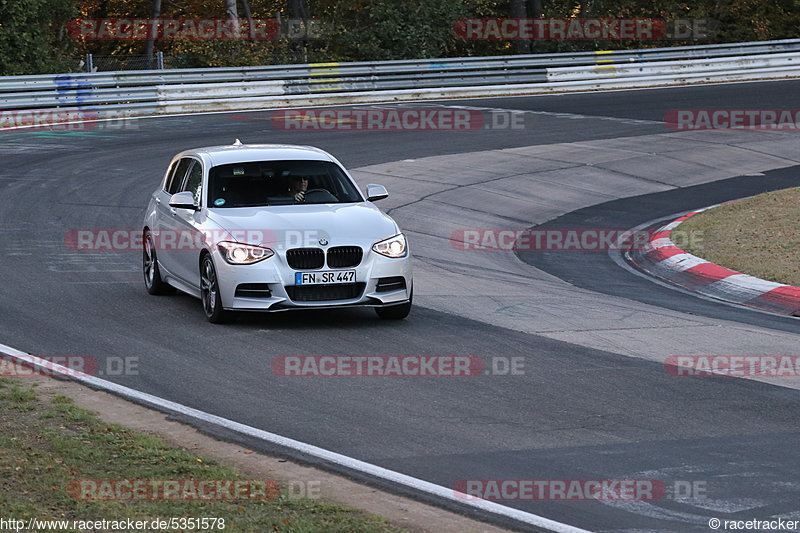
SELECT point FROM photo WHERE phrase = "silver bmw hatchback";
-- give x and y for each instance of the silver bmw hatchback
(273, 228)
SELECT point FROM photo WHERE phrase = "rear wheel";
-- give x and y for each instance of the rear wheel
(209, 292)
(152, 274)
(396, 312)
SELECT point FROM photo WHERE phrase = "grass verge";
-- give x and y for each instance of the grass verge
(759, 236)
(47, 443)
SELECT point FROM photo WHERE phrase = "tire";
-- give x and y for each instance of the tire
(209, 292)
(395, 312)
(152, 274)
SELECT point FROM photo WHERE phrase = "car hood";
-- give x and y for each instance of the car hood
(305, 225)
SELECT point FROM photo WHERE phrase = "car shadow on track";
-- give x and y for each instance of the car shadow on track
(299, 319)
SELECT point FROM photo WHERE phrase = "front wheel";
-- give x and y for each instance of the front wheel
(209, 293)
(396, 312)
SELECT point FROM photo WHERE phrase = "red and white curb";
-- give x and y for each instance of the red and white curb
(662, 258)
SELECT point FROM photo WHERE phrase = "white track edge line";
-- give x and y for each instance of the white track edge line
(314, 451)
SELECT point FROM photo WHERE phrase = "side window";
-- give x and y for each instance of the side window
(176, 178)
(194, 181)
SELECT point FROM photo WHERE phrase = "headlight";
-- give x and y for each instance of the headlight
(392, 247)
(243, 254)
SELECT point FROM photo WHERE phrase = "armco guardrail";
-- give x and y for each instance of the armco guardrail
(193, 90)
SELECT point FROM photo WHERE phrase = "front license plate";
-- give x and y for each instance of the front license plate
(325, 278)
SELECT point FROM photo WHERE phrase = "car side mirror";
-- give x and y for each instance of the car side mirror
(183, 200)
(376, 192)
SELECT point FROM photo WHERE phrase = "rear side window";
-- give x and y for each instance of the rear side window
(175, 179)
(194, 181)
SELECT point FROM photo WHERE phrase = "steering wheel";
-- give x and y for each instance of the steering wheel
(319, 196)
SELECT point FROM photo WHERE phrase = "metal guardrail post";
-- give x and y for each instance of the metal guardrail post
(160, 60)
(89, 63)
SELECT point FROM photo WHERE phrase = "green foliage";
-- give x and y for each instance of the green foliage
(758, 20)
(391, 29)
(199, 54)
(32, 36)
(33, 40)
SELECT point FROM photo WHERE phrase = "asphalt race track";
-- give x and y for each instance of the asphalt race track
(594, 401)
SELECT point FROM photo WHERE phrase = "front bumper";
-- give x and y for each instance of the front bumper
(276, 273)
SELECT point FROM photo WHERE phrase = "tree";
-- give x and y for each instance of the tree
(519, 10)
(232, 13)
(32, 39)
(156, 14)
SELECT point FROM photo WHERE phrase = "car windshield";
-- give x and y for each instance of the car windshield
(268, 183)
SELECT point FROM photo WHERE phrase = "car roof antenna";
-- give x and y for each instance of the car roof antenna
(237, 142)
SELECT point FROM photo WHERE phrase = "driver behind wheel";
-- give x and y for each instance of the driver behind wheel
(298, 185)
